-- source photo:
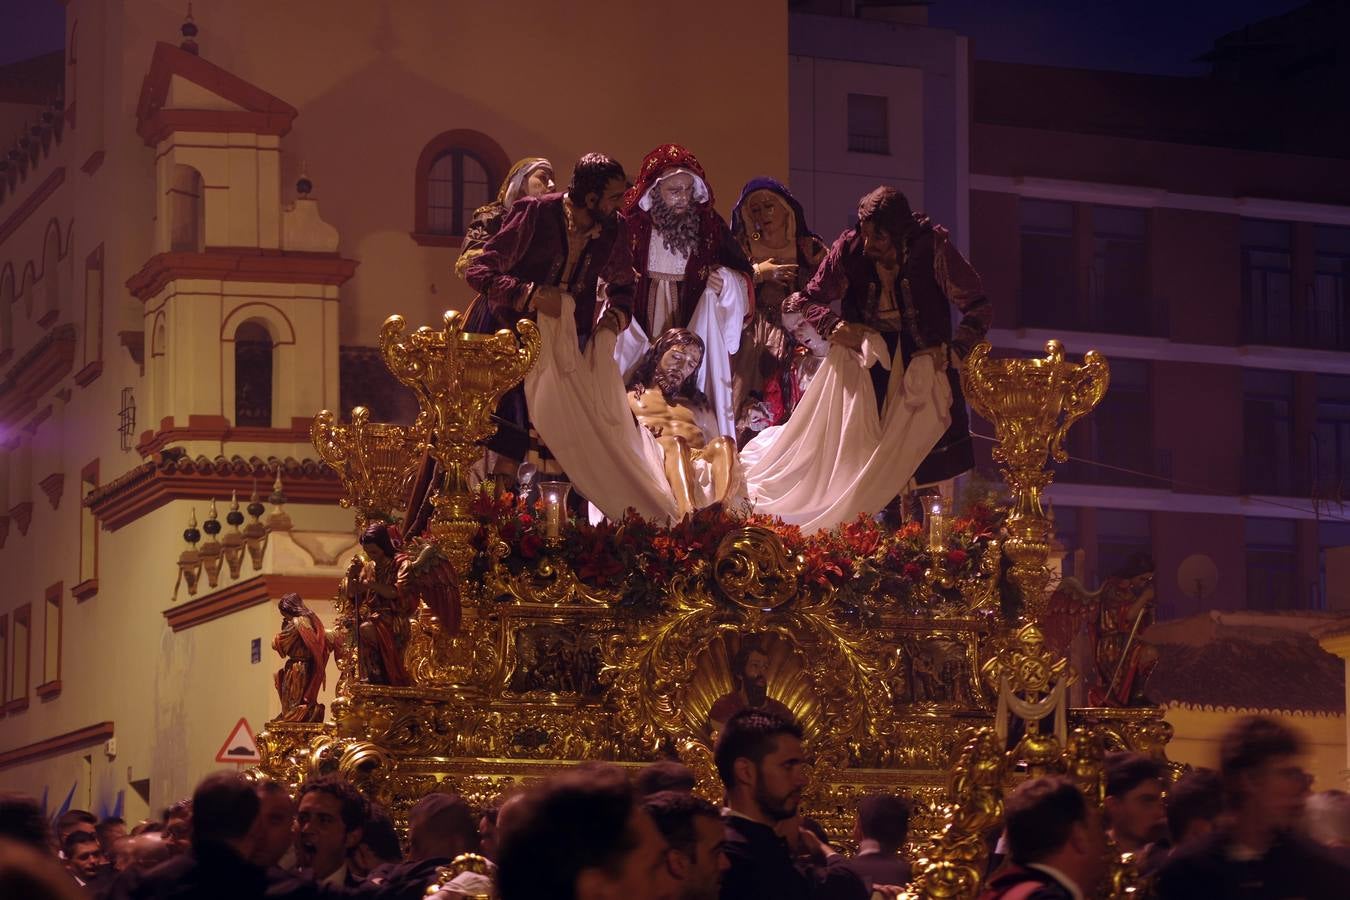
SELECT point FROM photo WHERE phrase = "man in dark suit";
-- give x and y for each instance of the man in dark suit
(1056, 844)
(760, 762)
(881, 828)
(440, 827)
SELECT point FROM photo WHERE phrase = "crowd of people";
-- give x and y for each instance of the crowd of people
(1247, 830)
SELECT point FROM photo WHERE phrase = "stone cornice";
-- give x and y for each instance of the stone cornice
(247, 593)
(273, 266)
(175, 476)
(63, 743)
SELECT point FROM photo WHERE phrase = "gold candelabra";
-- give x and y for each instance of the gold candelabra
(376, 461)
(458, 378)
(1032, 403)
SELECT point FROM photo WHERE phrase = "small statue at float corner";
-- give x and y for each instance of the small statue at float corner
(305, 646)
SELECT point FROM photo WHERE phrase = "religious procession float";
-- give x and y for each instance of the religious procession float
(509, 640)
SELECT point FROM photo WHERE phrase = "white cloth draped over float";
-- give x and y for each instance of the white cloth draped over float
(833, 459)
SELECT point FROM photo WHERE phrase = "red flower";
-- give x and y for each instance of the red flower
(913, 571)
(957, 557)
(530, 545)
(526, 520)
(909, 530)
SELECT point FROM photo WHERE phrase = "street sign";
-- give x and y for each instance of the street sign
(240, 746)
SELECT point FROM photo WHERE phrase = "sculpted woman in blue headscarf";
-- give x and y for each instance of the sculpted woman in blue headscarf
(771, 227)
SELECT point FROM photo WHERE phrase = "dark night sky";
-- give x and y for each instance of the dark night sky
(1160, 36)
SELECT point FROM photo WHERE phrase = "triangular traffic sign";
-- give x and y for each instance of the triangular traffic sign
(240, 746)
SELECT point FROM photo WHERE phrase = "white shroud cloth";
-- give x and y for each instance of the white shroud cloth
(578, 405)
(718, 320)
(835, 457)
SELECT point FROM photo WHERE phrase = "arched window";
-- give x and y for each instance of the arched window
(186, 210)
(457, 172)
(253, 376)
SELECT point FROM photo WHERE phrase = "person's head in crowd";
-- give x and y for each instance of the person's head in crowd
(693, 828)
(379, 844)
(109, 830)
(1327, 816)
(84, 855)
(143, 852)
(759, 759)
(487, 830)
(441, 826)
(582, 836)
(146, 825)
(273, 829)
(1264, 782)
(883, 819)
(1050, 823)
(664, 775)
(1134, 800)
(119, 855)
(22, 821)
(178, 825)
(32, 873)
(74, 820)
(1193, 805)
(328, 824)
(508, 813)
(223, 809)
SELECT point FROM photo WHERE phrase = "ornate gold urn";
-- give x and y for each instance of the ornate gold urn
(1032, 403)
(458, 378)
(376, 461)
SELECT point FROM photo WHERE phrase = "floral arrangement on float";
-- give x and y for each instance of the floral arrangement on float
(866, 565)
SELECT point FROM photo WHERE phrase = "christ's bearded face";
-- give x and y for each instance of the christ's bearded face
(676, 365)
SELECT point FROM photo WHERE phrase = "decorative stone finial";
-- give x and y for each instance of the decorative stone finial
(189, 31)
(191, 534)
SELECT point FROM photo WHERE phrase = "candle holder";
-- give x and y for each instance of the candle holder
(554, 495)
(938, 512)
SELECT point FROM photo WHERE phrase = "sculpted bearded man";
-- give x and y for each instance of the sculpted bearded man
(666, 400)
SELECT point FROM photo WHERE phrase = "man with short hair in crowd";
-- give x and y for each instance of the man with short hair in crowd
(693, 828)
(1056, 844)
(178, 825)
(108, 831)
(1135, 814)
(274, 828)
(1194, 803)
(759, 760)
(327, 827)
(880, 830)
(440, 827)
(84, 857)
(1258, 851)
(73, 820)
(664, 775)
(582, 836)
(379, 849)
